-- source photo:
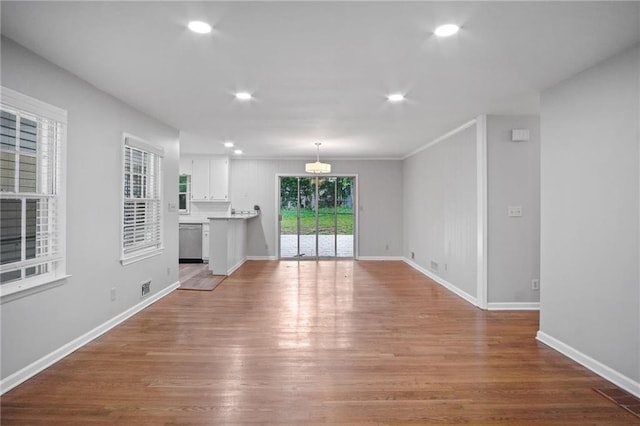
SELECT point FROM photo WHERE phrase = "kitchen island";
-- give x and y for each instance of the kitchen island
(228, 241)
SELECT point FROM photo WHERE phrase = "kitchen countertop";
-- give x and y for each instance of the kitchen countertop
(235, 216)
(203, 220)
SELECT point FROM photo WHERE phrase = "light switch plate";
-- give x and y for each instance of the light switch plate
(173, 207)
(520, 135)
(514, 211)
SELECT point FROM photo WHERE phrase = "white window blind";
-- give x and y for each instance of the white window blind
(142, 218)
(31, 222)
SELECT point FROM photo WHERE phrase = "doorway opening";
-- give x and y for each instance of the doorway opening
(317, 217)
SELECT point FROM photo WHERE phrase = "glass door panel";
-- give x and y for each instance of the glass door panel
(317, 217)
(307, 217)
(345, 218)
(326, 216)
(289, 238)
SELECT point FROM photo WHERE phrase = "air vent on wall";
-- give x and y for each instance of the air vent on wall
(146, 287)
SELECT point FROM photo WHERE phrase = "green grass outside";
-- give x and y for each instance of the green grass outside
(326, 221)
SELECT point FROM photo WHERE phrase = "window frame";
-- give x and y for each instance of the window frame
(187, 194)
(27, 107)
(128, 256)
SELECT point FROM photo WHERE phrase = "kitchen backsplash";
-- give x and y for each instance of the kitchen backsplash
(201, 210)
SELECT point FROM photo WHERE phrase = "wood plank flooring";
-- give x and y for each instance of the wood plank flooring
(300, 343)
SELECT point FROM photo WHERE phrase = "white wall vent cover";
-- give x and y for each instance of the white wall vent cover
(146, 287)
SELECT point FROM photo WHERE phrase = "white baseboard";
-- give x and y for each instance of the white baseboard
(597, 367)
(262, 258)
(452, 288)
(236, 266)
(34, 368)
(513, 306)
(380, 258)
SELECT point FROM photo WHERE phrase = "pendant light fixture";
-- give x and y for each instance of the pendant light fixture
(317, 167)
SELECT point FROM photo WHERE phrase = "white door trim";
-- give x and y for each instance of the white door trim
(482, 225)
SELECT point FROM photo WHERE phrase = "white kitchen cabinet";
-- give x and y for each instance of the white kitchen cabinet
(219, 179)
(200, 179)
(205, 242)
(210, 178)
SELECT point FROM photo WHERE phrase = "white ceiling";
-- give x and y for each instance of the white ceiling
(321, 70)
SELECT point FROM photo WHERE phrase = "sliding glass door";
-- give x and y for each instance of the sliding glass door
(317, 217)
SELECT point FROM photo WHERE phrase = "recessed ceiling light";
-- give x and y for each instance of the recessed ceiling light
(237, 151)
(446, 30)
(396, 97)
(199, 27)
(243, 96)
(228, 144)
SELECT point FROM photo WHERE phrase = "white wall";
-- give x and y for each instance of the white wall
(590, 291)
(36, 325)
(380, 201)
(440, 209)
(513, 179)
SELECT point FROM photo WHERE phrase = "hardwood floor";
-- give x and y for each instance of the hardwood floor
(316, 343)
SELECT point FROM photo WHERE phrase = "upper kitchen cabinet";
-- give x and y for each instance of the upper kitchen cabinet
(210, 178)
(200, 178)
(219, 178)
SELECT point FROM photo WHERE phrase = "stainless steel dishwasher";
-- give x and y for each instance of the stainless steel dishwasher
(190, 249)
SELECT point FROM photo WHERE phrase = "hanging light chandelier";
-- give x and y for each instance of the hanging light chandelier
(317, 167)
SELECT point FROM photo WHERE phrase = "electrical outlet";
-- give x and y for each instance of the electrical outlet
(386, 247)
(535, 284)
(514, 211)
(434, 265)
(446, 266)
(169, 271)
(113, 294)
(413, 255)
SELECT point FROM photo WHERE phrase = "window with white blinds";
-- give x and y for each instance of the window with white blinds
(31, 222)
(142, 218)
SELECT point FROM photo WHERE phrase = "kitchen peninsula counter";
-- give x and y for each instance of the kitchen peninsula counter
(228, 241)
(236, 216)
